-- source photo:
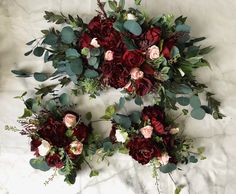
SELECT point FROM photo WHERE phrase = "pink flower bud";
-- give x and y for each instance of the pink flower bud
(136, 73)
(109, 55)
(147, 131)
(76, 147)
(164, 159)
(94, 43)
(153, 52)
(174, 131)
(70, 120)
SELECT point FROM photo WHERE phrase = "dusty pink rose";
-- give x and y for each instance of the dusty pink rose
(44, 148)
(136, 73)
(164, 158)
(109, 55)
(70, 120)
(76, 147)
(153, 52)
(174, 131)
(94, 43)
(147, 131)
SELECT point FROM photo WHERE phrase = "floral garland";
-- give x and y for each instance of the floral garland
(125, 50)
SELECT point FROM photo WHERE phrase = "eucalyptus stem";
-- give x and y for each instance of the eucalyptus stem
(101, 6)
(88, 164)
(172, 179)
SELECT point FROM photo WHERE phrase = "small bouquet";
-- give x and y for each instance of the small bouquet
(59, 138)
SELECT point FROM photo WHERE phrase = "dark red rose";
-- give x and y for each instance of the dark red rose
(54, 132)
(153, 35)
(168, 45)
(114, 74)
(154, 111)
(133, 59)
(143, 150)
(112, 135)
(158, 126)
(35, 143)
(81, 132)
(84, 41)
(143, 86)
(147, 69)
(54, 161)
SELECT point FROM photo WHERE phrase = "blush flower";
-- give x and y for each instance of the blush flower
(94, 43)
(76, 147)
(44, 148)
(109, 55)
(164, 158)
(70, 120)
(121, 136)
(147, 131)
(153, 52)
(131, 16)
(136, 73)
(174, 131)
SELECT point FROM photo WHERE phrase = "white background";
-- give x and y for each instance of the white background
(22, 20)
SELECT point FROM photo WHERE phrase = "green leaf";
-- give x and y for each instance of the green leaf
(138, 100)
(64, 99)
(174, 52)
(50, 39)
(107, 146)
(184, 101)
(178, 189)
(193, 159)
(135, 117)
(123, 120)
(168, 168)
(95, 52)
(165, 70)
(46, 56)
(198, 113)
(133, 27)
(112, 5)
(93, 61)
(40, 77)
(195, 102)
(121, 103)
(121, 4)
(137, 2)
(39, 164)
(183, 28)
(90, 73)
(51, 105)
(85, 51)
(21, 73)
(38, 51)
(183, 89)
(93, 173)
(72, 53)
(89, 116)
(76, 66)
(27, 113)
(206, 50)
(119, 26)
(129, 43)
(28, 53)
(110, 110)
(67, 35)
(31, 42)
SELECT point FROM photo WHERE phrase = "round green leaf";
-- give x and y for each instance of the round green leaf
(184, 101)
(133, 27)
(198, 113)
(95, 52)
(67, 35)
(76, 66)
(195, 102)
(193, 159)
(39, 164)
(72, 53)
(183, 89)
(64, 99)
(38, 51)
(40, 77)
(135, 116)
(168, 168)
(50, 39)
(92, 61)
(90, 73)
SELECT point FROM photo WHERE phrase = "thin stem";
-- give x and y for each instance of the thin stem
(101, 6)
(157, 184)
(172, 178)
(178, 116)
(88, 164)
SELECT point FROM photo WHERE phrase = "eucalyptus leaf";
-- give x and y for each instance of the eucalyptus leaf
(28, 53)
(198, 113)
(133, 27)
(67, 35)
(138, 100)
(119, 26)
(50, 39)
(195, 102)
(112, 5)
(64, 99)
(72, 53)
(38, 51)
(121, 103)
(123, 120)
(76, 66)
(183, 28)
(184, 101)
(31, 42)
(90, 73)
(40, 77)
(39, 164)
(21, 73)
(27, 113)
(95, 52)
(168, 168)
(135, 117)
(183, 89)
(193, 159)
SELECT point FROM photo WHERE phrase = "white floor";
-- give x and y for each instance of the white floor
(22, 20)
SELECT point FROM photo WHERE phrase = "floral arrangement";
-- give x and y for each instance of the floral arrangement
(124, 49)
(59, 138)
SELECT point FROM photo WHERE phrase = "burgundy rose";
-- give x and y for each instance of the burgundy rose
(35, 143)
(158, 126)
(153, 35)
(81, 131)
(54, 161)
(54, 132)
(143, 86)
(112, 135)
(85, 41)
(154, 111)
(168, 45)
(147, 69)
(143, 150)
(133, 59)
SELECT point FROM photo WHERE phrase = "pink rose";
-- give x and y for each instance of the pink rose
(76, 147)
(94, 43)
(136, 73)
(147, 131)
(164, 158)
(44, 148)
(174, 131)
(153, 52)
(70, 120)
(109, 55)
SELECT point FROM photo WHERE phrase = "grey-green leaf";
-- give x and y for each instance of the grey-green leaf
(198, 113)
(38, 51)
(64, 99)
(72, 53)
(50, 39)
(184, 101)
(168, 168)
(195, 101)
(138, 100)
(76, 66)
(133, 27)
(40, 77)
(67, 35)
(91, 73)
